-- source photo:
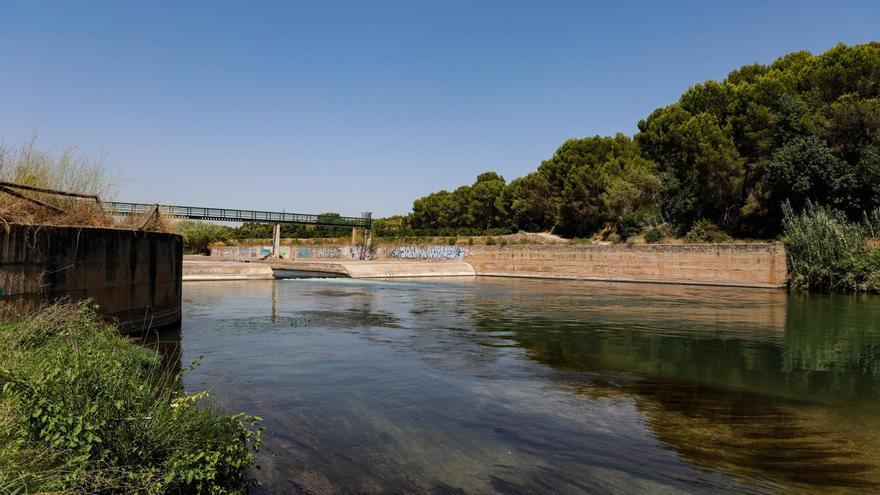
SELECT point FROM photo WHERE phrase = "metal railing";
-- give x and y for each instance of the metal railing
(232, 215)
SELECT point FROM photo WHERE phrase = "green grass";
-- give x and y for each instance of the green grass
(84, 410)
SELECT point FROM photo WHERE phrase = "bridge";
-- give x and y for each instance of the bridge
(118, 208)
(235, 215)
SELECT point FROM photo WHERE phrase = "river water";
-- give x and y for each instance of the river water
(529, 386)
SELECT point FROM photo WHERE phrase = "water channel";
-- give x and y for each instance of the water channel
(529, 386)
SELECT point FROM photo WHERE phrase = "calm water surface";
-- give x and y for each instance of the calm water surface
(526, 386)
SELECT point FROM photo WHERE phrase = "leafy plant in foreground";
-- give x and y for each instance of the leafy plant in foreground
(83, 410)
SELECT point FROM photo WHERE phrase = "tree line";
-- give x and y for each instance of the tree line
(727, 155)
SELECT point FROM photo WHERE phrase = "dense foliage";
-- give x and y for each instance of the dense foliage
(198, 236)
(828, 252)
(83, 410)
(803, 129)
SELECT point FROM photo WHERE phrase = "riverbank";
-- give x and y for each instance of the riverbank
(86, 411)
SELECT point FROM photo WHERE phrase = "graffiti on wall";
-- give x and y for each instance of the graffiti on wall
(361, 252)
(333, 253)
(318, 253)
(241, 251)
(347, 252)
(426, 252)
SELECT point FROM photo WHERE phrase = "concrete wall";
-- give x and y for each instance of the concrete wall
(135, 277)
(333, 253)
(753, 265)
(202, 270)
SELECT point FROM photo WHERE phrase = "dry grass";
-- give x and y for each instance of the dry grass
(67, 171)
(76, 213)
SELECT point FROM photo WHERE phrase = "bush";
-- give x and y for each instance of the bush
(653, 235)
(706, 231)
(86, 411)
(828, 253)
(490, 241)
(634, 223)
(198, 236)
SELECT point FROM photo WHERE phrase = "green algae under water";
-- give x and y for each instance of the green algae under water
(529, 386)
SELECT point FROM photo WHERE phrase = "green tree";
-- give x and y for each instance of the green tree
(529, 203)
(483, 210)
(805, 170)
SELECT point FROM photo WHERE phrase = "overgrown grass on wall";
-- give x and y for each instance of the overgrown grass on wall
(830, 254)
(83, 410)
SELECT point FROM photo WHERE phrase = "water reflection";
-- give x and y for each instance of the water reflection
(525, 386)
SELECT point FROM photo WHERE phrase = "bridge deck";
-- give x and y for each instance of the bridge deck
(233, 215)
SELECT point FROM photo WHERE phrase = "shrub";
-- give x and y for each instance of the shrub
(86, 411)
(198, 236)
(490, 241)
(634, 223)
(706, 231)
(653, 235)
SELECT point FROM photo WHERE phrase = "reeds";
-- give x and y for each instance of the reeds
(827, 252)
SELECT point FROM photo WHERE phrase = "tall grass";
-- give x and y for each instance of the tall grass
(68, 171)
(83, 410)
(826, 252)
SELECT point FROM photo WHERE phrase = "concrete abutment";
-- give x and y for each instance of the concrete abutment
(133, 276)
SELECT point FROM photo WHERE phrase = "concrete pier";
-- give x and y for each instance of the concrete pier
(133, 276)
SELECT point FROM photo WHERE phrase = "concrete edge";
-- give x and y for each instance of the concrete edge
(220, 270)
(547, 276)
(207, 278)
(419, 275)
(306, 266)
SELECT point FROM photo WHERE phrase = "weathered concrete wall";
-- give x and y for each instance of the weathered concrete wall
(752, 265)
(201, 270)
(379, 269)
(135, 277)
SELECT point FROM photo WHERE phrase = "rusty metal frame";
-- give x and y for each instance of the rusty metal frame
(11, 188)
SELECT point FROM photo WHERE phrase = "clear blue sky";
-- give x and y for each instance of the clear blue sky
(332, 106)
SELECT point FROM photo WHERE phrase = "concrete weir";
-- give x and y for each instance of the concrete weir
(380, 269)
(134, 277)
(195, 270)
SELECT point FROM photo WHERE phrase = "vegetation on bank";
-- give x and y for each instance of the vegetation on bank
(828, 252)
(724, 158)
(83, 410)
